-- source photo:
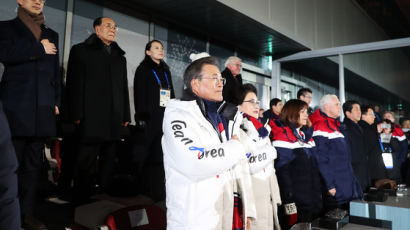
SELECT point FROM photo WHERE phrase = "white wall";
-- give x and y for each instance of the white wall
(329, 23)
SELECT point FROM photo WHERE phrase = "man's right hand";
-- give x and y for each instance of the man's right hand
(49, 47)
(332, 192)
(77, 122)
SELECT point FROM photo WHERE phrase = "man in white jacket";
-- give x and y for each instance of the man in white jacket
(203, 159)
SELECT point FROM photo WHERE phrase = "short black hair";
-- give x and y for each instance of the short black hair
(244, 90)
(274, 102)
(365, 109)
(98, 21)
(194, 69)
(148, 47)
(348, 106)
(303, 92)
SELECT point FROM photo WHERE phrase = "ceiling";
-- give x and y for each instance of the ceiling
(215, 21)
(393, 17)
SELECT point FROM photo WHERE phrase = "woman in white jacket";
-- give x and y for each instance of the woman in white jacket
(204, 161)
(255, 136)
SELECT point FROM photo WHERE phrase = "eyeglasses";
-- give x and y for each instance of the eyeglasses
(253, 102)
(111, 27)
(41, 1)
(217, 79)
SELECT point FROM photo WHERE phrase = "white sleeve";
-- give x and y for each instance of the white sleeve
(264, 155)
(187, 151)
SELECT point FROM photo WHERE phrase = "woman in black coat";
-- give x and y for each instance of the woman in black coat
(152, 78)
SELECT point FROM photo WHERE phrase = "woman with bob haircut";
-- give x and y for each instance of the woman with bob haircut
(296, 167)
(261, 161)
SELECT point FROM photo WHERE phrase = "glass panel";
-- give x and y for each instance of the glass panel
(221, 54)
(179, 47)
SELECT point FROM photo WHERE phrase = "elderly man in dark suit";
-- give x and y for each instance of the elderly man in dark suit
(30, 91)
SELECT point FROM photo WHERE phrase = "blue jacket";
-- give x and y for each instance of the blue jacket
(296, 168)
(31, 83)
(334, 158)
(9, 204)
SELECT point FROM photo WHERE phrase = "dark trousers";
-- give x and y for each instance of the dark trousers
(9, 203)
(30, 155)
(149, 158)
(87, 174)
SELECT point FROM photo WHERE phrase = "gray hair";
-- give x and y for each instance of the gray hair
(326, 99)
(231, 60)
(194, 69)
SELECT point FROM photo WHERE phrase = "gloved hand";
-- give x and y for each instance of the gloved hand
(247, 142)
(291, 213)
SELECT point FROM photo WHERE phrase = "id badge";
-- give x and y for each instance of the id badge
(164, 97)
(388, 160)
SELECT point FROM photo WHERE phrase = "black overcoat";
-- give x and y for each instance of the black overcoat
(146, 94)
(359, 158)
(31, 83)
(97, 89)
(231, 87)
(374, 153)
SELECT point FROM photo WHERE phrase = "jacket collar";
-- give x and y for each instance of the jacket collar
(307, 131)
(227, 109)
(95, 42)
(229, 74)
(151, 64)
(332, 123)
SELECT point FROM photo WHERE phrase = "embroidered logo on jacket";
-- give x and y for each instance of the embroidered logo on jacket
(212, 152)
(177, 127)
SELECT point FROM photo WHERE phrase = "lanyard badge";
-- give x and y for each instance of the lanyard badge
(164, 94)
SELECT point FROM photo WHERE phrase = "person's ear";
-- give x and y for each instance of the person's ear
(148, 53)
(194, 84)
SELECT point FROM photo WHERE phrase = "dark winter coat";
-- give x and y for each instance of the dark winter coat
(31, 83)
(9, 204)
(334, 159)
(97, 89)
(146, 94)
(373, 151)
(393, 147)
(359, 158)
(296, 169)
(231, 88)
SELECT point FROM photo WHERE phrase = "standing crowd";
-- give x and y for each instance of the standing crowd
(212, 155)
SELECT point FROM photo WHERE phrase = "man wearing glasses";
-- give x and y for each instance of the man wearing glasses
(98, 101)
(203, 157)
(233, 80)
(30, 92)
